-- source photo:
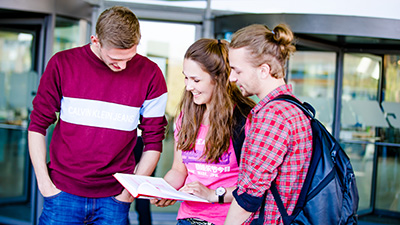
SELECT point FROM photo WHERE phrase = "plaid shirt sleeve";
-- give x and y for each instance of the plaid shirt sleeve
(265, 148)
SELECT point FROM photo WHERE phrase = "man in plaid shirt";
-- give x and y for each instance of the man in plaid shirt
(278, 145)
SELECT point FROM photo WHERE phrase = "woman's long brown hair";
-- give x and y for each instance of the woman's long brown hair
(212, 56)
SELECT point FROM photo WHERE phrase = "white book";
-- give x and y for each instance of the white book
(153, 187)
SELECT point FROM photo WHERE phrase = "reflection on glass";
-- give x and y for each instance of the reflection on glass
(361, 115)
(166, 44)
(168, 41)
(17, 82)
(361, 75)
(388, 173)
(392, 78)
(361, 112)
(388, 179)
(12, 163)
(391, 99)
(69, 33)
(16, 78)
(362, 159)
(392, 112)
(364, 113)
(312, 75)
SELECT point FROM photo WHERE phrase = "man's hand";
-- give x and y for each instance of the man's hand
(125, 196)
(48, 190)
(236, 214)
(37, 152)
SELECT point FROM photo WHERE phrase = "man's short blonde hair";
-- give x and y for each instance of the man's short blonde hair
(118, 27)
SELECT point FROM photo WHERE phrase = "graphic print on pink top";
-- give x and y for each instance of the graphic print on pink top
(212, 175)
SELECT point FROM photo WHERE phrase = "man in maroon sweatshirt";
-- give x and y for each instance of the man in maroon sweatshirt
(102, 92)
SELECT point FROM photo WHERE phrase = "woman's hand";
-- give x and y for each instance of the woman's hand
(198, 189)
(162, 202)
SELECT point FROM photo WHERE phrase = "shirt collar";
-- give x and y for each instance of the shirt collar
(283, 89)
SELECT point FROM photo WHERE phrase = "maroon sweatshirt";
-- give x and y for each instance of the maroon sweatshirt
(100, 111)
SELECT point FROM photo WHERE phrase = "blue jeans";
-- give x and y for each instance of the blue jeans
(65, 208)
(193, 221)
(183, 222)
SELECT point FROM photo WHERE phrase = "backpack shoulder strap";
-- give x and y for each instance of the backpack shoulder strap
(305, 107)
(309, 111)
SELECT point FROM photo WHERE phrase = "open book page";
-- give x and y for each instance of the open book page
(156, 187)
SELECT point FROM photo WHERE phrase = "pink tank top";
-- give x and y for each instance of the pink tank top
(212, 175)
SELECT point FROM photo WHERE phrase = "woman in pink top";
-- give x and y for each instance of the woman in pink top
(205, 163)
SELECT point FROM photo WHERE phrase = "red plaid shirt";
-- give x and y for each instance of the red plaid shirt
(278, 144)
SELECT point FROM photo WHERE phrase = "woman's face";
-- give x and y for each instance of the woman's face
(198, 82)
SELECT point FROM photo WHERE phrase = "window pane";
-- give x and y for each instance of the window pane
(388, 172)
(69, 33)
(312, 75)
(17, 80)
(12, 163)
(362, 160)
(361, 115)
(361, 111)
(392, 78)
(391, 99)
(388, 179)
(17, 83)
(166, 43)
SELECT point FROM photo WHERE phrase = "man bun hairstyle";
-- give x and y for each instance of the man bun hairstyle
(272, 47)
(118, 27)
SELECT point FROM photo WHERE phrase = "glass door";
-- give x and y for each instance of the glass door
(18, 82)
(387, 198)
(312, 76)
(167, 50)
(361, 119)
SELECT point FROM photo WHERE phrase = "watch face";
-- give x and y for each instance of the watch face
(220, 191)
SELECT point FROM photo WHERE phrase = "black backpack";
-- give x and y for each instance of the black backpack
(329, 194)
(238, 133)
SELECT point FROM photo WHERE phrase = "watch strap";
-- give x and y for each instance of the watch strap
(221, 199)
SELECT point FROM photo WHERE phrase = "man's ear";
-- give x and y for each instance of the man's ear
(265, 70)
(95, 40)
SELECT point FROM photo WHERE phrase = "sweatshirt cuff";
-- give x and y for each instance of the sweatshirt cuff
(248, 202)
(157, 146)
(37, 130)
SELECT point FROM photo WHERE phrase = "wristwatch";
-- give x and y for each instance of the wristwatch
(220, 192)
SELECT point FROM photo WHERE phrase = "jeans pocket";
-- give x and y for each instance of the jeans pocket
(53, 196)
(120, 202)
